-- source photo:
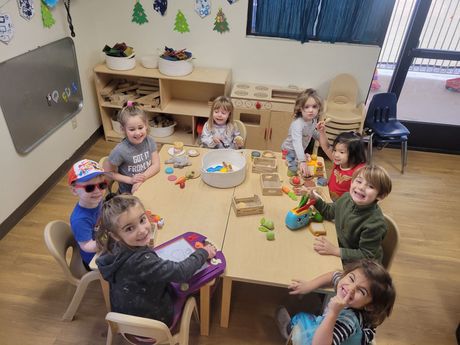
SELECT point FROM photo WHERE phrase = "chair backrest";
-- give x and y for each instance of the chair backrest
(343, 92)
(242, 128)
(58, 239)
(112, 184)
(381, 109)
(390, 242)
(151, 331)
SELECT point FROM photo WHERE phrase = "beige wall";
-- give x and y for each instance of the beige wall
(279, 62)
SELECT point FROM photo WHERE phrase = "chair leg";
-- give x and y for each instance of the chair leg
(109, 336)
(78, 295)
(369, 148)
(403, 156)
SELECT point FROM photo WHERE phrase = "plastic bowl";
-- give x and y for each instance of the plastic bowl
(149, 61)
(224, 179)
(120, 63)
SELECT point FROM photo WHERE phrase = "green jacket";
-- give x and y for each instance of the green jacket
(360, 229)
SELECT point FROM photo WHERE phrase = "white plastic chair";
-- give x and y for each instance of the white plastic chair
(58, 239)
(390, 242)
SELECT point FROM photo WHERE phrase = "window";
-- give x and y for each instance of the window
(350, 21)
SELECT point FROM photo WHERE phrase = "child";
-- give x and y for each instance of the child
(87, 181)
(359, 221)
(135, 159)
(364, 298)
(308, 106)
(139, 279)
(219, 132)
(348, 155)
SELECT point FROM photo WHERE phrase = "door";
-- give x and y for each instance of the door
(257, 125)
(279, 127)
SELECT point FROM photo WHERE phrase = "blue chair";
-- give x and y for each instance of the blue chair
(382, 121)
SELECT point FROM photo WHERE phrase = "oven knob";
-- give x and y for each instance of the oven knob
(258, 105)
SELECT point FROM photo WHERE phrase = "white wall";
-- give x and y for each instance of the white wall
(271, 61)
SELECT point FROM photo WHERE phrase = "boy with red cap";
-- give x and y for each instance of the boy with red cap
(87, 182)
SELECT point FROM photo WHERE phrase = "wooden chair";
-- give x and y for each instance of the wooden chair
(242, 128)
(151, 331)
(390, 243)
(58, 239)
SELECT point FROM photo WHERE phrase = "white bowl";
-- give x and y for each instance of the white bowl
(162, 132)
(149, 61)
(224, 179)
(120, 63)
(175, 68)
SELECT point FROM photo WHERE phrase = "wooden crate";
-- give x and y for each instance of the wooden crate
(245, 206)
(264, 165)
(271, 184)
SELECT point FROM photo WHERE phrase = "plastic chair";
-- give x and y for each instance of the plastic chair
(241, 128)
(381, 119)
(58, 239)
(112, 183)
(151, 331)
(390, 242)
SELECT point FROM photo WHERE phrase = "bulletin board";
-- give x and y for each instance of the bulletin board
(39, 92)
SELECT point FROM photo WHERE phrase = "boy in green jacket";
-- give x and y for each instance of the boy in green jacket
(359, 221)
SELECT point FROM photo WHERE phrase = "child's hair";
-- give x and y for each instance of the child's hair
(355, 146)
(225, 103)
(377, 177)
(383, 292)
(131, 109)
(303, 97)
(108, 221)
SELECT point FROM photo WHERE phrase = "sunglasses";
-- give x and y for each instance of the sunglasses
(89, 188)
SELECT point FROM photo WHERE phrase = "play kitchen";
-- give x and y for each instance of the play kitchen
(266, 111)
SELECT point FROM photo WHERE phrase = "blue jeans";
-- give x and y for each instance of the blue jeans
(291, 160)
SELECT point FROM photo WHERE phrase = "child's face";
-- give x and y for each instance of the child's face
(310, 109)
(220, 116)
(134, 228)
(362, 192)
(135, 130)
(358, 286)
(340, 155)
(90, 199)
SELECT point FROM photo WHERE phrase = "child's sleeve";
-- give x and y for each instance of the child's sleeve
(370, 241)
(153, 267)
(345, 326)
(116, 157)
(296, 134)
(206, 137)
(326, 210)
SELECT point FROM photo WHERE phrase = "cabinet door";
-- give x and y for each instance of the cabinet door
(278, 129)
(257, 126)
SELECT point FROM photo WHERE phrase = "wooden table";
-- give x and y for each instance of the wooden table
(252, 258)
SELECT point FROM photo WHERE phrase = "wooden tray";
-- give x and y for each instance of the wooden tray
(264, 165)
(271, 184)
(245, 206)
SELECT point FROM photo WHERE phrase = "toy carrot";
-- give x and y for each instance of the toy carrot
(180, 180)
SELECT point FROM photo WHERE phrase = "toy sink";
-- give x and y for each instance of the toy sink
(224, 179)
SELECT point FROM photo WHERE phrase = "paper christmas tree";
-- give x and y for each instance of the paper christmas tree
(181, 24)
(139, 15)
(47, 17)
(221, 24)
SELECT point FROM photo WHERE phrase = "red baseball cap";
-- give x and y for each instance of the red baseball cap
(84, 170)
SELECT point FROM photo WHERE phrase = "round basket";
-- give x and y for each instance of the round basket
(175, 68)
(162, 132)
(224, 179)
(117, 127)
(120, 63)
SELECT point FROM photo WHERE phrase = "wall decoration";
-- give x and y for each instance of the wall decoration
(26, 9)
(47, 17)
(203, 7)
(139, 15)
(221, 24)
(181, 24)
(6, 28)
(160, 6)
(50, 3)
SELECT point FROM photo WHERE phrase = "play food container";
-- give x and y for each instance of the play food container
(175, 68)
(224, 179)
(162, 132)
(120, 63)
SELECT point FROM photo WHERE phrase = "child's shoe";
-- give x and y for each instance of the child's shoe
(291, 173)
(283, 320)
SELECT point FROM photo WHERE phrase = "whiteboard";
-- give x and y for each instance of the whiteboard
(39, 92)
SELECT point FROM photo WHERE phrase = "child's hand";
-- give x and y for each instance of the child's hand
(211, 250)
(138, 178)
(298, 287)
(303, 168)
(239, 141)
(323, 247)
(135, 187)
(302, 190)
(321, 126)
(337, 303)
(307, 157)
(217, 139)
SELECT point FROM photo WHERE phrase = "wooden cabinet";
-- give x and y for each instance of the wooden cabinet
(186, 99)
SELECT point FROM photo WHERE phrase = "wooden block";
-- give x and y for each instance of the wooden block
(264, 165)
(147, 87)
(109, 88)
(127, 88)
(317, 229)
(147, 81)
(151, 99)
(271, 184)
(244, 206)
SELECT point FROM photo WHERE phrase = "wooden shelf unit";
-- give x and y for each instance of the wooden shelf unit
(185, 98)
